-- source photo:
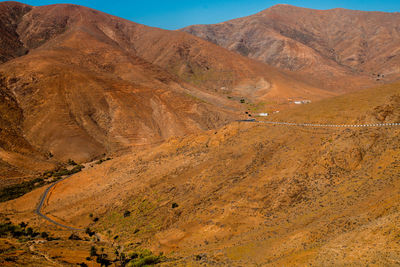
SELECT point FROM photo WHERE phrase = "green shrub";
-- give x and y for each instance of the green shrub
(93, 251)
(147, 260)
(61, 172)
(71, 162)
(16, 231)
(100, 161)
(76, 169)
(18, 190)
(44, 235)
(143, 258)
(89, 232)
(102, 259)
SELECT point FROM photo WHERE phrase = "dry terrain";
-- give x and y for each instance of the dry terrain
(141, 124)
(338, 49)
(247, 194)
(77, 83)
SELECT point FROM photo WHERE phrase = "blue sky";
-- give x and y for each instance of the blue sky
(175, 14)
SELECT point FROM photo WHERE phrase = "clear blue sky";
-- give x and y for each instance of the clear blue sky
(175, 14)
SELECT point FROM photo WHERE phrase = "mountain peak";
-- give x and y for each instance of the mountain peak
(341, 42)
(13, 4)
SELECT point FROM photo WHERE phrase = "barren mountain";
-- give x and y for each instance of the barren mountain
(11, 14)
(327, 47)
(81, 83)
(245, 194)
(181, 177)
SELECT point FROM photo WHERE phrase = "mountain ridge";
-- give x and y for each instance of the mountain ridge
(336, 44)
(90, 83)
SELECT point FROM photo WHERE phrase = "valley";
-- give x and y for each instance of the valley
(127, 145)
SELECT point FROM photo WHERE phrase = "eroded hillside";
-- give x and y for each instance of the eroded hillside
(332, 48)
(83, 83)
(249, 194)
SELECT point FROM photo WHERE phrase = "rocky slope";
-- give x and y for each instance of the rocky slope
(11, 14)
(84, 83)
(332, 47)
(249, 194)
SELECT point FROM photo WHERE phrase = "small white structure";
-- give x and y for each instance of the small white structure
(300, 102)
(263, 114)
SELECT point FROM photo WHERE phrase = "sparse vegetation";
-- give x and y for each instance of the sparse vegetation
(64, 171)
(143, 258)
(44, 235)
(18, 190)
(74, 237)
(100, 161)
(93, 251)
(21, 231)
(72, 162)
(103, 260)
(89, 232)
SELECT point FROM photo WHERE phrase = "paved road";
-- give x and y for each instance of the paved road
(43, 199)
(325, 125)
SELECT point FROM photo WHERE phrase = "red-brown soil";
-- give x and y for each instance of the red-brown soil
(88, 83)
(250, 194)
(338, 49)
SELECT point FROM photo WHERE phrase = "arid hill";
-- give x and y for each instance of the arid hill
(80, 83)
(181, 177)
(246, 194)
(11, 14)
(327, 47)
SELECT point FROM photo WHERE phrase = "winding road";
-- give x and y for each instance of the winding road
(324, 125)
(45, 194)
(43, 199)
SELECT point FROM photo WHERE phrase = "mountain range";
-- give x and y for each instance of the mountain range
(329, 47)
(159, 153)
(80, 83)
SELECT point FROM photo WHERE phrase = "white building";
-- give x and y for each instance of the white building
(300, 102)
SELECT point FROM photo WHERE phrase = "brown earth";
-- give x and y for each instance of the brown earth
(338, 49)
(251, 194)
(11, 14)
(200, 188)
(83, 83)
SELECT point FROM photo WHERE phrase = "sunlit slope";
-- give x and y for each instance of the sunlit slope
(88, 83)
(374, 105)
(338, 49)
(250, 194)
